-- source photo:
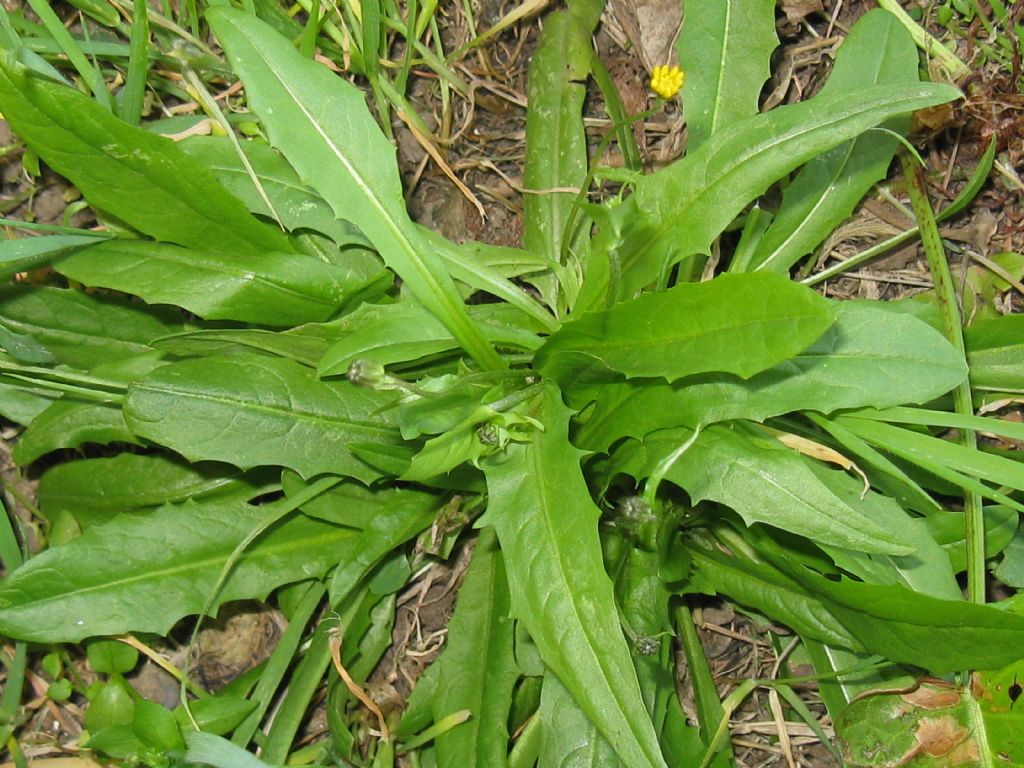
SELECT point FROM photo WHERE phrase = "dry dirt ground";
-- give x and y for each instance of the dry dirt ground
(486, 153)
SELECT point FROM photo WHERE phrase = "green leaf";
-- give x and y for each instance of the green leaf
(995, 350)
(276, 289)
(739, 324)
(217, 715)
(112, 706)
(141, 178)
(156, 727)
(485, 267)
(144, 572)
(947, 528)
(406, 332)
(26, 253)
(21, 403)
(678, 211)
(935, 723)
(868, 357)
(54, 325)
(547, 526)
(764, 587)
(389, 522)
(296, 206)
(94, 490)
(568, 738)
(926, 417)
(304, 344)
(477, 669)
(109, 657)
(72, 421)
(248, 411)
(947, 459)
(724, 49)
(877, 51)
(556, 143)
(1010, 570)
(927, 568)
(322, 126)
(942, 636)
(764, 482)
(208, 749)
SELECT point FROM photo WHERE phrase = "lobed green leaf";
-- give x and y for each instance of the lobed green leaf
(868, 357)
(678, 211)
(877, 51)
(556, 142)
(249, 411)
(547, 526)
(327, 134)
(276, 289)
(137, 176)
(764, 482)
(144, 572)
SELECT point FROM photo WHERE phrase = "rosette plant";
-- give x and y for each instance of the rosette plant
(308, 397)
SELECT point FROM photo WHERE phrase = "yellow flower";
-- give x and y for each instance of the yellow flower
(666, 81)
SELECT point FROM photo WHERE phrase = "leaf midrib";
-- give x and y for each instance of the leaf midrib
(388, 217)
(211, 562)
(682, 210)
(538, 472)
(242, 276)
(633, 343)
(248, 405)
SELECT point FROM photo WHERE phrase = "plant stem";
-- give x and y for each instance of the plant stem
(952, 325)
(81, 384)
(710, 711)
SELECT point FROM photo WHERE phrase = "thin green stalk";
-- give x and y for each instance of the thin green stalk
(952, 324)
(57, 379)
(10, 553)
(443, 725)
(961, 201)
(212, 108)
(193, 17)
(138, 66)
(710, 711)
(16, 754)
(91, 75)
(570, 222)
(14, 682)
(307, 42)
(53, 228)
(617, 112)
(402, 78)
